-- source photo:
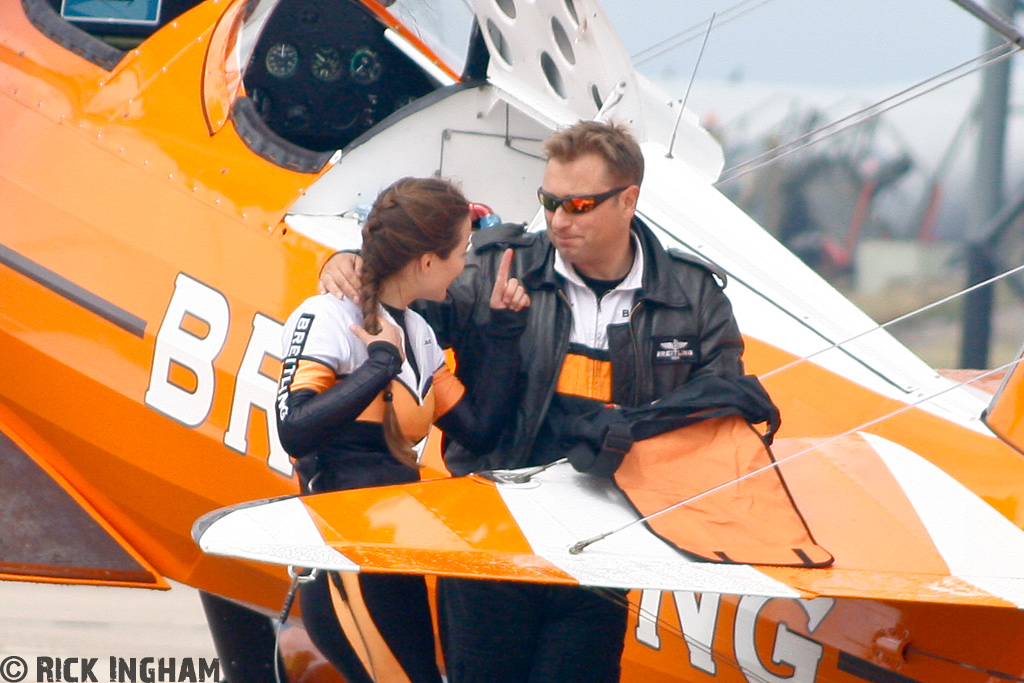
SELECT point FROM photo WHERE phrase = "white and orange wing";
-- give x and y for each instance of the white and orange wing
(898, 527)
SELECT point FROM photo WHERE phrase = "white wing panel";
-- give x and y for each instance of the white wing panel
(978, 544)
(280, 532)
(560, 507)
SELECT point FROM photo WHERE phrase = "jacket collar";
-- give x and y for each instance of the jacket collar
(632, 281)
(658, 284)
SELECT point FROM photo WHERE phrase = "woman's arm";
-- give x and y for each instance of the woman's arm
(306, 416)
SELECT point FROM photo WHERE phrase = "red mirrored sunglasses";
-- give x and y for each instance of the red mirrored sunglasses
(580, 203)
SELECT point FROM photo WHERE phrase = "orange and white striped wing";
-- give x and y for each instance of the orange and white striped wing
(473, 527)
(898, 526)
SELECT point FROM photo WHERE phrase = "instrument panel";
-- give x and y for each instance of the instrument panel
(323, 73)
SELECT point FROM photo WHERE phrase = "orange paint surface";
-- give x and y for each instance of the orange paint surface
(118, 181)
(404, 529)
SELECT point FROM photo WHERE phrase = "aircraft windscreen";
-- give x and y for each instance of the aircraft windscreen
(322, 72)
(443, 25)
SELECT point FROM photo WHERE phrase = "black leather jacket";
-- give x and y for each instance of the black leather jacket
(681, 301)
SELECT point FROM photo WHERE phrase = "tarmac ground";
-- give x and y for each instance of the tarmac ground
(56, 621)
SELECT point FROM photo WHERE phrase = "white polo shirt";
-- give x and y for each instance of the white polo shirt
(590, 316)
(586, 370)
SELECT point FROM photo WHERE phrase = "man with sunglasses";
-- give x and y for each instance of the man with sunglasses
(615, 320)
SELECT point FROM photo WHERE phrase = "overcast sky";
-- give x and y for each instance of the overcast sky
(835, 56)
(834, 43)
(840, 55)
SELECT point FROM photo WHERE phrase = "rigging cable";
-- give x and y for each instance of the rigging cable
(897, 319)
(299, 576)
(686, 96)
(581, 545)
(840, 125)
(519, 476)
(998, 23)
(692, 33)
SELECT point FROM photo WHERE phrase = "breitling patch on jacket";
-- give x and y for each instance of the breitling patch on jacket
(675, 350)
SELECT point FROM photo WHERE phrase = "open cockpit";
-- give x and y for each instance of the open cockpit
(317, 74)
(323, 72)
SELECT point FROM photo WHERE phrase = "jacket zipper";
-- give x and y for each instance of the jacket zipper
(636, 354)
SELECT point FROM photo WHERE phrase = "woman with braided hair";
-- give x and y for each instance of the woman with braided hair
(361, 382)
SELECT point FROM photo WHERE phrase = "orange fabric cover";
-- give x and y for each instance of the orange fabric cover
(753, 521)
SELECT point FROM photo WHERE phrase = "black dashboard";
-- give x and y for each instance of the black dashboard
(322, 73)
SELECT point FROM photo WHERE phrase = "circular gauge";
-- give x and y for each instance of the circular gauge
(282, 59)
(365, 67)
(326, 63)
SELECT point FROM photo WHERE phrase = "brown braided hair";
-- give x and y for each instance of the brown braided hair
(412, 217)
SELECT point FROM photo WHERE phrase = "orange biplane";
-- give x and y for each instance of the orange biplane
(173, 173)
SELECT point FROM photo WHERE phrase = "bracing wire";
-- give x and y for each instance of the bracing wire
(686, 95)
(298, 576)
(741, 9)
(581, 545)
(924, 87)
(693, 32)
(522, 476)
(894, 321)
(860, 116)
(578, 547)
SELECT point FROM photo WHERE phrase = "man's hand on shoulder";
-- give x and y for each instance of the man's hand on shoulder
(342, 276)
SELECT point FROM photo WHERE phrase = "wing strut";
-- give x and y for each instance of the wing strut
(993, 21)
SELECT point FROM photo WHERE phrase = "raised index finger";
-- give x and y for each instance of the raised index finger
(504, 269)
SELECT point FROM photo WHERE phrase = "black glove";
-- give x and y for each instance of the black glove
(596, 443)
